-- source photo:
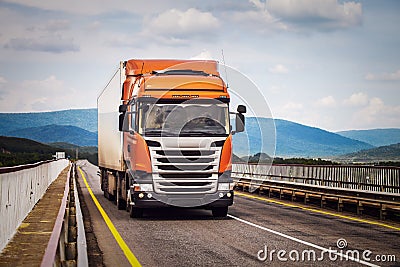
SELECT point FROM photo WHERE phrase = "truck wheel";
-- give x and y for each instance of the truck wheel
(128, 206)
(135, 212)
(220, 212)
(121, 204)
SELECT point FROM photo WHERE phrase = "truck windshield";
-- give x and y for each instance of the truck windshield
(187, 119)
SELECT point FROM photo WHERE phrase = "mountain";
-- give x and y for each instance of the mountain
(72, 147)
(292, 140)
(79, 127)
(376, 137)
(387, 153)
(17, 151)
(84, 152)
(82, 118)
(57, 133)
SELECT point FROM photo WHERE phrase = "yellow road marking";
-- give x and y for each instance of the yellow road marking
(319, 211)
(128, 253)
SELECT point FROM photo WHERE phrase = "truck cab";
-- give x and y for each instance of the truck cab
(176, 136)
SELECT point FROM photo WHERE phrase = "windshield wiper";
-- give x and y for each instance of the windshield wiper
(201, 133)
(158, 133)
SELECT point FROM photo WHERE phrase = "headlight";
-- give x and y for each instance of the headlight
(225, 186)
(143, 187)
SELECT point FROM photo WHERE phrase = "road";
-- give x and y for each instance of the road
(255, 233)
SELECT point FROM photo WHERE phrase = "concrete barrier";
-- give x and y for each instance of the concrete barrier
(20, 189)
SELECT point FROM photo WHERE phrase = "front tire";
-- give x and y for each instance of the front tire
(220, 212)
(135, 212)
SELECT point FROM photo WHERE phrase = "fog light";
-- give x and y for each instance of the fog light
(141, 195)
(221, 194)
(149, 195)
(228, 194)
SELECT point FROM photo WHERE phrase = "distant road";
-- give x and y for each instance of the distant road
(175, 237)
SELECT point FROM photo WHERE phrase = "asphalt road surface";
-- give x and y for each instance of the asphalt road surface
(255, 233)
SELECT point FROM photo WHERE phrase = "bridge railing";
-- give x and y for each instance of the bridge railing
(67, 244)
(20, 188)
(370, 178)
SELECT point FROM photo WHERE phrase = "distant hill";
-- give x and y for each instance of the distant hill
(82, 118)
(382, 153)
(376, 137)
(72, 147)
(79, 127)
(57, 133)
(17, 151)
(292, 140)
(84, 152)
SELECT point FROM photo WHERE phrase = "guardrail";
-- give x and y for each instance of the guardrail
(325, 183)
(20, 189)
(67, 244)
(371, 178)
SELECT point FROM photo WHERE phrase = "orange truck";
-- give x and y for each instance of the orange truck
(165, 136)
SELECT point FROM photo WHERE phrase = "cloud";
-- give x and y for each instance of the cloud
(50, 36)
(326, 102)
(95, 7)
(356, 99)
(48, 43)
(178, 24)
(2, 80)
(203, 55)
(47, 94)
(377, 113)
(256, 18)
(393, 76)
(292, 106)
(52, 26)
(278, 69)
(316, 14)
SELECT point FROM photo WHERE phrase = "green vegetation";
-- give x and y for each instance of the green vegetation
(85, 152)
(263, 158)
(388, 163)
(304, 161)
(19, 151)
(378, 154)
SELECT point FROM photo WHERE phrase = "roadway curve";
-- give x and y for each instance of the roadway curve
(175, 237)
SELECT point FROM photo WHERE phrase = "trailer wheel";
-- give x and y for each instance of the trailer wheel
(135, 212)
(220, 212)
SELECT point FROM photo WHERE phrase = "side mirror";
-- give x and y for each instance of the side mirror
(241, 109)
(123, 108)
(240, 123)
(123, 123)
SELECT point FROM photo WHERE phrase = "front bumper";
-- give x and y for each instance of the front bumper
(153, 200)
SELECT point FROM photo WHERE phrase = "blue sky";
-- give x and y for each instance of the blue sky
(324, 63)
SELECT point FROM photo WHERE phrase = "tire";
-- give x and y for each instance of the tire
(121, 204)
(135, 212)
(128, 207)
(220, 212)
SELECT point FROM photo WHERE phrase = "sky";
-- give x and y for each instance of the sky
(329, 64)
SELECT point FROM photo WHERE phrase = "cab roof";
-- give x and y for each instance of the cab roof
(145, 66)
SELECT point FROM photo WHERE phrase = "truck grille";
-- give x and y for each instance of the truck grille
(185, 171)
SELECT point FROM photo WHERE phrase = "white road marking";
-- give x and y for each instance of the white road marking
(326, 250)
